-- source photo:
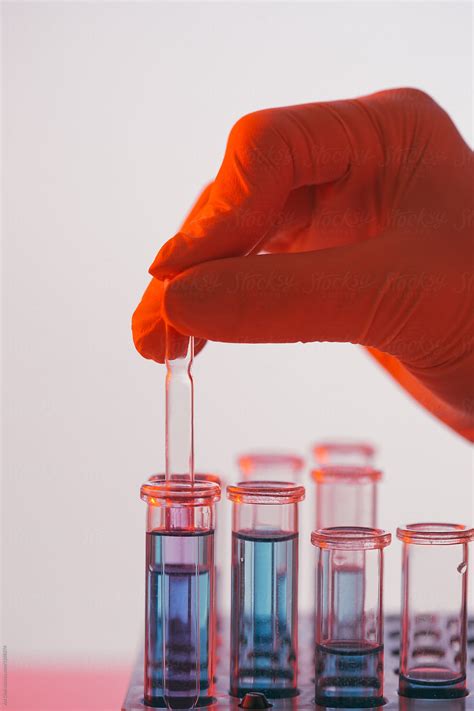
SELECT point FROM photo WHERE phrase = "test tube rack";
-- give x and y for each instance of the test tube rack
(305, 700)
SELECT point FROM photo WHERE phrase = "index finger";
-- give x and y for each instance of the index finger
(268, 154)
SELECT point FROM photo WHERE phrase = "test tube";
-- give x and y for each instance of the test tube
(344, 453)
(349, 620)
(346, 496)
(180, 605)
(434, 610)
(264, 642)
(270, 466)
(218, 554)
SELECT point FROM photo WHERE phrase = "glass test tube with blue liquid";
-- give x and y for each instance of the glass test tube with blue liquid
(264, 636)
(218, 554)
(349, 639)
(180, 581)
(434, 610)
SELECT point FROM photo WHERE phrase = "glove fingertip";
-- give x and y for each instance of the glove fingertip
(149, 339)
(161, 271)
(167, 263)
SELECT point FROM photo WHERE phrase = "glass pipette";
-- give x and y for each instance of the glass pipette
(179, 455)
(179, 405)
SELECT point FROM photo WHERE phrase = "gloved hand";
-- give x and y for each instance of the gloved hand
(367, 207)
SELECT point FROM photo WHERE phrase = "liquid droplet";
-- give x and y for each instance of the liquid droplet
(462, 567)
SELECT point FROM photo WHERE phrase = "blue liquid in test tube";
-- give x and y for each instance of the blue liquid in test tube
(179, 663)
(264, 644)
(179, 589)
(264, 620)
(349, 656)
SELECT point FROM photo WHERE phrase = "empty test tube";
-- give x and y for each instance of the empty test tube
(270, 467)
(434, 612)
(264, 632)
(349, 618)
(180, 605)
(344, 453)
(346, 496)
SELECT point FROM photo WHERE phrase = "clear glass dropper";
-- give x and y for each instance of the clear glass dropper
(179, 464)
(179, 445)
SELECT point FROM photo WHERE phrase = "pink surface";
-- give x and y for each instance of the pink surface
(66, 688)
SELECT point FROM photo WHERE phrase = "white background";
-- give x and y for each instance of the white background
(115, 115)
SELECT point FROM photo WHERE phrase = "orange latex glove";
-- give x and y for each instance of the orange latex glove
(367, 207)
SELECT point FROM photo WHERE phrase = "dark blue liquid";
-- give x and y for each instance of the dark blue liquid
(433, 667)
(179, 572)
(432, 682)
(264, 613)
(349, 675)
